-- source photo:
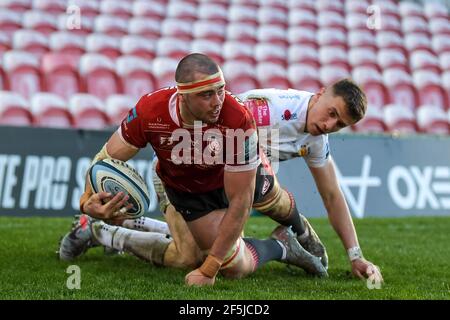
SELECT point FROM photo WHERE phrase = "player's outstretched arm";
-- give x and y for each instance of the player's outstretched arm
(341, 219)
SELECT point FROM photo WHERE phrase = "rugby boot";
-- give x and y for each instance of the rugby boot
(311, 242)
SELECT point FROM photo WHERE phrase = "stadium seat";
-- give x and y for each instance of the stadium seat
(10, 21)
(417, 41)
(275, 4)
(372, 82)
(440, 43)
(98, 75)
(89, 8)
(209, 30)
(302, 36)
(439, 26)
(410, 9)
(240, 76)
(214, 12)
(332, 37)
(363, 57)
(3, 84)
(356, 22)
(182, 11)
(444, 61)
(331, 20)
(164, 70)
(234, 50)
(303, 54)
(18, 6)
(428, 85)
(121, 9)
(40, 21)
(60, 74)
(272, 16)
(356, 6)
(445, 80)
(336, 56)
(136, 75)
(435, 9)
(242, 14)
(400, 89)
(68, 43)
(103, 44)
(138, 46)
(330, 6)
(50, 110)
(22, 72)
(433, 120)
(331, 73)
(5, 43)
(50, 6)
(177, 29)
(251, 3)
(145, 27)
(210, 48)
(111, 25)
(391, 23)
(153, 10)
(389, 40)
(373, 121)
(118, 106)
(304, 77)
(304, 4)
(242, 32)
(392, 58)
(275, 35)
(172, 48)
(299, 17)
(272, 76)
(424, 60)
(81, 27)
(399, 119)
(30, 41)
(14, 110)
(88, 112)
(267, 52)
(361, 39)
(414, 25)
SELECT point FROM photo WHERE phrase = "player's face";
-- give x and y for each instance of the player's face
(327, 114)
(205, 106)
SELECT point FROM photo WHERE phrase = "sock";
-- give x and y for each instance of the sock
(295, 221)
(265, 250)
(147, 224)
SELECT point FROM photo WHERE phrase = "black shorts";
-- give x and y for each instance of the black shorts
(195, 205)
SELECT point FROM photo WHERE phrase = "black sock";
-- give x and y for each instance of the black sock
(295, 221)
(264, 250)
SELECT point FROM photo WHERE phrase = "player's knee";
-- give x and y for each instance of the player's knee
(238, 262)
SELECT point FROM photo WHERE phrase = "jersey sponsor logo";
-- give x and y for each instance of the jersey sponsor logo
(265, 187)
(132, 115)
(288, 115)
(303, 151)
(260, 110)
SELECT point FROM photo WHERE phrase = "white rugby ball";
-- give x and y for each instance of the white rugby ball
(112, 175)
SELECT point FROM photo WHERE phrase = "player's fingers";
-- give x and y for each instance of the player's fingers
(120, 212)
(357, 273)
(103, 195)
(112, 204)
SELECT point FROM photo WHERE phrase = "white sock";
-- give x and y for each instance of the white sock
(147, 224)
(112, 236)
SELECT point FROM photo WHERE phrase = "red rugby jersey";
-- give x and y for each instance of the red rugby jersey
(192, 160)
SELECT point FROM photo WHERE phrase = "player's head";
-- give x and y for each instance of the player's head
(201, 87)
(340, 105)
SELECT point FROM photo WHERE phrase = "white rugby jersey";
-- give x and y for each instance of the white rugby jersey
(285, 111)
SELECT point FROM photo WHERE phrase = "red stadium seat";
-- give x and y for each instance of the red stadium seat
(5, 43)
(273, 34)
(164, 70)
(432, 119)
(304, 77)
(392, 58)
(441, 43)
(50, 110)
(3, 84)
(389, 40)
(111, 25)
(88, 112)
(332, 37)
(363, 57)
(177, 29)
(414, 25)
(121, 9)
(251, 3)
(400, 89)
(331, 20)
(172, 48)
(103, 44)
(50, 6)
(361, 39)
(214, 12)
(388, 7)
(336, 56)
(434, 9)
(267, 52)
(210, 48)
(445, 78)
(22, 72)
(240, 76)
(136, 75)
(331, 73)
(209, 30)
(60, 74)
(303, 54)
(424, 60)
(372, 82)
(182, 11)
(81, 27)
(439, 26)
(410, 9)
(356, 6)
(30, 41)
(417, 41)
(68, 43)
(88, 8)
(18, 6)
(145, 27)
(14, 110)
(245, 33)
(98, 75)
(153, 10)
(373, 121)
(330, 5)
(304, 4)
(234, 50)
(302, 18)
(118, 106)
(356, 22)
(273, 16)
(302, 36)
(40, 21)
(428, 85)
(399, 119)
(444, 61)
(242, 14)
(272, 76)
(275, 4)
(138, 46)
(10, 21)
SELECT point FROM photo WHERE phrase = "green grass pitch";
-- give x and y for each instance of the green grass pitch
(413, 253)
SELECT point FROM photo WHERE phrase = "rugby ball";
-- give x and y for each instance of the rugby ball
(112, 175)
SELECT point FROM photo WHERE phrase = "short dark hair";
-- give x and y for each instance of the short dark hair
(192, 63)
(354, 97)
